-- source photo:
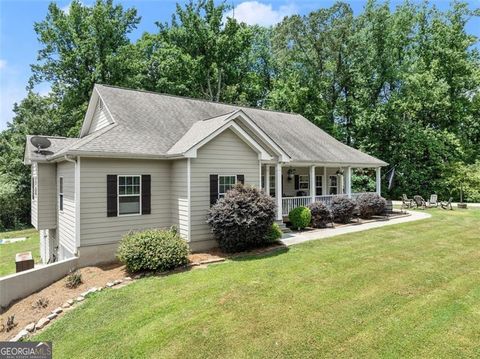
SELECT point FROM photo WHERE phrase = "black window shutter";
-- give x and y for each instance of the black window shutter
(297, 182)
(146, 194)
(241, 179)
(213, 189)
(111, 195)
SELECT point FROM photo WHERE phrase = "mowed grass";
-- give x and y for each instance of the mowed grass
(8, 251)
(409, 290)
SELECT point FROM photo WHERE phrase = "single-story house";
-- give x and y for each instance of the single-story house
(149, 160)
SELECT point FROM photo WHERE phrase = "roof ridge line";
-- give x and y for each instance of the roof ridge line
(197, 99)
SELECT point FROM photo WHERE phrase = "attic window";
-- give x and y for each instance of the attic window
(100, 104)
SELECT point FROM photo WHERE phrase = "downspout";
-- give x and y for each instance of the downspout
(77, 200)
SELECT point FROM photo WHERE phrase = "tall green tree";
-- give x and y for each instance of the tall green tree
(78, 50)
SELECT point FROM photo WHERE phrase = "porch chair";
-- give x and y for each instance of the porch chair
(406, 202)
(433, 201)
(447, 205)
(419, 201)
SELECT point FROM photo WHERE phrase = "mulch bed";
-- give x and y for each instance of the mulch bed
(57, 293)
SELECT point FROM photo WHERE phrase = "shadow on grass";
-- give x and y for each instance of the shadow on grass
(260, 253)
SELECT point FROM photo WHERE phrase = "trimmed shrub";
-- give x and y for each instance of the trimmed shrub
(342, 209)
(300, 217)
(320, 214)
(153, 250)
(370, 204)
(274, 233)
(242, 219)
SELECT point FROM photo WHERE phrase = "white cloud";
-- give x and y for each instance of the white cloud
(3, 64)
(257, 13)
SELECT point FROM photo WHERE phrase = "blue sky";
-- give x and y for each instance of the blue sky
(19, 46)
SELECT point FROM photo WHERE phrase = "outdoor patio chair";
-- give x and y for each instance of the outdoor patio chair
(433, 201)
(406, 202)
(447, 205)
(419, 201)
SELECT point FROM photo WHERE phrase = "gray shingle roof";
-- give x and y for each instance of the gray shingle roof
(152, 124)
(57, 144)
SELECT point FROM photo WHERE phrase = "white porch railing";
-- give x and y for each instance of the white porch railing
(289, 203)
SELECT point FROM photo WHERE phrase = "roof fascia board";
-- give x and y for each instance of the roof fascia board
(337, 164)
(115, 155)
(263, 155)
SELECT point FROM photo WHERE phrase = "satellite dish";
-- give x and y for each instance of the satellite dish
(40, 143)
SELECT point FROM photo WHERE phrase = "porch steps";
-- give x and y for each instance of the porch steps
(283, 227)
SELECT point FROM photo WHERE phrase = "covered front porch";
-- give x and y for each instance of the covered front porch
(295, 185)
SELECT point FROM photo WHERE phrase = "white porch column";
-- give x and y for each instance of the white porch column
(348, 182)
(267, 179)
(324, 182)
(278, 190)
(312, 183)
(378, 181)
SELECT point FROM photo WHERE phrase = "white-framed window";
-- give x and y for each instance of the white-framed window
(272, 185)
(303, 181)
(225, 183)
(129, 193)
(60, 193)
(332, 185)
(33, 190)
(318, 185)
(271, 189)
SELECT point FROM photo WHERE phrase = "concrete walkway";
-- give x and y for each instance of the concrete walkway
(300, 237)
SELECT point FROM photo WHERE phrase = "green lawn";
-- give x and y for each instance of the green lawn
(410, 290)
(8, 251)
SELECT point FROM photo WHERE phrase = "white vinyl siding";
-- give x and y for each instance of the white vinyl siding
(179, 190)
(66, 218)
(225, 155)
(43, 205)
(100, 119)
(95, 227)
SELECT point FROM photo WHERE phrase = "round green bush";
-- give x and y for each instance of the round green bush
(300, 217)
(342, 209)
(274, 233)
(152, 250)
(320, 214)
(370, 204)
(242, 219)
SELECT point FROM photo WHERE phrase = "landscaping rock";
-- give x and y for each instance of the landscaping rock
(52, 316)
(22, 334)
(42, 323)
(137, 276)
(30, 327)
(70, 301)
(57, 310)
(80, 299)
(117, 281)
(127, 279)
(110, 284)
(66, 305)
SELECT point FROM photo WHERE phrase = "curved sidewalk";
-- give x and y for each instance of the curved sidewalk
(300, 237)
